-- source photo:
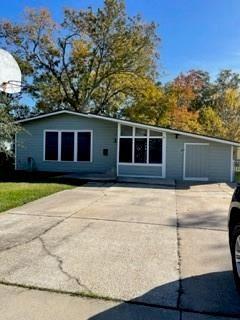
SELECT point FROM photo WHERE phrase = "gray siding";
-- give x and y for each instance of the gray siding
(30, 144)
(219, 158)
(140, 170)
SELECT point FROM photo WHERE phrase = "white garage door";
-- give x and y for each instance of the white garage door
(195, 166)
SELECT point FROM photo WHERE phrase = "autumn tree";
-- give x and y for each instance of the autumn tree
(163, 105)
(204, 106)
(225, 105)
(91, 61)
(227, 79)
(151, 104)
(229, 112)
(194, 89)
(211, 123)
(179, 114)
(104, 61)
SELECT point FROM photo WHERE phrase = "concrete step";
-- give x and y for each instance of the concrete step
(155, 181)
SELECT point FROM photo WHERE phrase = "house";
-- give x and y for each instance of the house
(66, 141)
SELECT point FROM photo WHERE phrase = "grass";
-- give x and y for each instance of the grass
(82, 294)
(20, 188)
(13, 194)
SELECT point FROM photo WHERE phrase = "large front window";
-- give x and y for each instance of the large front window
(68, 146)
(83, 146)
(140, 146)
(51, 145)
(125, 154)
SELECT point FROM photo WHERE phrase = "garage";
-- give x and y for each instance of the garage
(195, 165)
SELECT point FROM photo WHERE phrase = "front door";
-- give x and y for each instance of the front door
(195, 164)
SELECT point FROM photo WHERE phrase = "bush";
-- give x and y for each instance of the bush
(6, 164)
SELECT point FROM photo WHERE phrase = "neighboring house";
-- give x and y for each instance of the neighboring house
(66, 141)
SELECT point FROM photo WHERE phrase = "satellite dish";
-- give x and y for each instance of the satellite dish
(10, 73)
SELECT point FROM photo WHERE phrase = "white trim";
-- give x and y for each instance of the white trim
(140, 164)
(199, 143)
(133, 145)
(53, 114)
(164, 155)
(184, 162)
(75, 147)
(139, 176)
(141, 137)
(129, 123)
(231, 166)
(147, 164)
(44, 145)
(60, 145)
(118, 140)
(196, 179)
(91, 147)
(147, 147)
(147, 137)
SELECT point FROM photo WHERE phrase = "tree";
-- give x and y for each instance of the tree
(87, 62)
(165, 105)
(179, 96)
(211, 123)
(227, 79)
(151, 104)
(7, 126)
(194, 89)
(183, 119)
(229, 112)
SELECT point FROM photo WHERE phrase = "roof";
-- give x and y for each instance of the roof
(128, 122)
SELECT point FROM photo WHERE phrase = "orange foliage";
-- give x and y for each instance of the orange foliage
(183, 119)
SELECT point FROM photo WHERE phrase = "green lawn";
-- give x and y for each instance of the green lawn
(13, 194)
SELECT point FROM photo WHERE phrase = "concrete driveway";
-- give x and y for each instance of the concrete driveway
(164, 249)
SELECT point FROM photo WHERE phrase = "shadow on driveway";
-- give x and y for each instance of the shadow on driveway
(187, 185)
(210, 294)
(202, 220)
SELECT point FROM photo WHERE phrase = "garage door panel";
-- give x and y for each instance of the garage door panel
(196, 161)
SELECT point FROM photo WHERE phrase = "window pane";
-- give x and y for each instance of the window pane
(140, 150)
(84, 146)
(51, 146)
(155, 133)
(126, 131)
(125, 150)
(67, 150)
(141, 132)
(155, 150)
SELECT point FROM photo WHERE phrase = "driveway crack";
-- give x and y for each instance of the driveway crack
(53, 225)
(34, 238)
(60, 262)
(179, 266)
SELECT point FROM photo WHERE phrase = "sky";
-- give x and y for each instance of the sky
(195, 34)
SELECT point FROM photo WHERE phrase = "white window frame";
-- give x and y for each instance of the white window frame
(60, 145)
(231, 166)
(184, 162)
(162, 135)
(147, 137)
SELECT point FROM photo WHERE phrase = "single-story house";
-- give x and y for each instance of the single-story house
(66, 141)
